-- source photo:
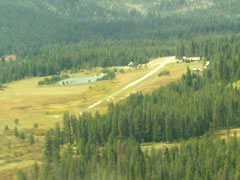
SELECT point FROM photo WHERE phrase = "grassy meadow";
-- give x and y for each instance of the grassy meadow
(44, 106)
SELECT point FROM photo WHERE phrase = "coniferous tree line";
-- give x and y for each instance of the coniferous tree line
(107, 146)
(224, 52)
(30, 25)
(54, 60)
(207, 158)
(53, 79)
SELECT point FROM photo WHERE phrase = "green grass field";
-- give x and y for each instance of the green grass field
(237, 84)
(46, 105)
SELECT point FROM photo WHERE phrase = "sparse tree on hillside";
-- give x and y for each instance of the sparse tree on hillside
(16, 121)
(16, 132)
(35, 125)
(21, 175)
(22, 136)
(6, 128)
(31, 139)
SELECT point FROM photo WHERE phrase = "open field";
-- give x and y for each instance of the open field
(7, 58)
(46, 105)
(224, 133)
(148, 147)
(17, 154)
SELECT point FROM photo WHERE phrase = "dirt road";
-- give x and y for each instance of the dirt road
(168, 60)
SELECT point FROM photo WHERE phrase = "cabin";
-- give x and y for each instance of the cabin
(185, 58)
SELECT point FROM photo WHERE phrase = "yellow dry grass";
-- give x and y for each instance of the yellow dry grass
(225, 133)
(7, 58)
(148, 147)
(17, 154)
(46, 105)
(236, 84)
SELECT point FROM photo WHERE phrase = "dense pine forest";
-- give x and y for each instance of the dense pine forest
(91, 33)
(67, 22)
(50, 37)
(107, 146)
(54, 60)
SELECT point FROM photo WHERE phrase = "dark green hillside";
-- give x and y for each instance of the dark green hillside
(53, 60)
(107, 146)
(27, 25)
(54, 37)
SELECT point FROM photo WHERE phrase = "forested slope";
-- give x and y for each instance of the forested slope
(54, 60)
(67, 34)
(107, 146)
(28, 25)
(51, 36)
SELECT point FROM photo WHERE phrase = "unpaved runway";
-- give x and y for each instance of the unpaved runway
(134, 83)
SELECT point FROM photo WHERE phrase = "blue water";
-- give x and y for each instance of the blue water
(80, 80)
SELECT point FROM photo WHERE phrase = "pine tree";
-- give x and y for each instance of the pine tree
(22, 136)
(188, 77)
(31, 139)
(35, 172)
(21, 175)
(16, 133)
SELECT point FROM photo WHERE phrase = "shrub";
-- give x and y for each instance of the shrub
(164, 73)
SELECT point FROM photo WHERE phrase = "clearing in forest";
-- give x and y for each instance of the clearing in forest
(44, 106)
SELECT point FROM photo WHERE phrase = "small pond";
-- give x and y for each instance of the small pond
(80, 80)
